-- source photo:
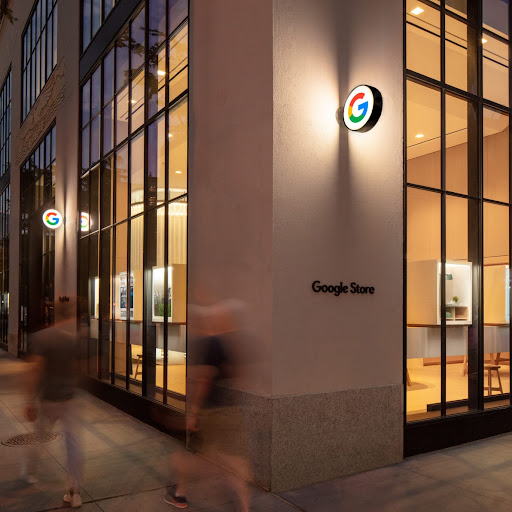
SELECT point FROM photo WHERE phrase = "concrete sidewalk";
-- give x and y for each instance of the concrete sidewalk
(127, 469)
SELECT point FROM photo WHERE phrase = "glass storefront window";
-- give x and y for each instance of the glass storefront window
(94, 13)
(141, 142)
(458, 159)
(423, 39)
(495, 70)
(423, 135)
(39, 51)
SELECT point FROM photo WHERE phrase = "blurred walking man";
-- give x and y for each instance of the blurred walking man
(50, 390)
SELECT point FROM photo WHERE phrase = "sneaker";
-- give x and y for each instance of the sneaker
(27, 476)
(73, 498)
(177, 501)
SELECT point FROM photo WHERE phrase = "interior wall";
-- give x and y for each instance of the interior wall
(337, 197)
(424, 208)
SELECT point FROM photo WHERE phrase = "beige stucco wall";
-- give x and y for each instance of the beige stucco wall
(337, 197)
(281, 195)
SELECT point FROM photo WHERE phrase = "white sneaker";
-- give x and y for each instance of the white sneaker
(73, 499)
(28, 477)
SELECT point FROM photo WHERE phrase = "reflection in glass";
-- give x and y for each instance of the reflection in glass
(423, 322)
(496, 167)
(495, 70)
(122, 183)
(423, 135)
(122, 103)
(137, 101)
(495, 16)
(156, 162)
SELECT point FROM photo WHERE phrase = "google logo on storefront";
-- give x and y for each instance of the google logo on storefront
(52, 219)
(84, 221)
(362, 108)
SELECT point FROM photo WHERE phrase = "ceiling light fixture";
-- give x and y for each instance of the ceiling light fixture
(133, 101)
(170, 135)
(416, 11)
(484, 40)
(178, 172)
(420, 136)
(161, 73)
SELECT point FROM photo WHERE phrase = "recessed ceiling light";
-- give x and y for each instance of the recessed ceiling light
(420, 136)
(133, 101)
(178, 172)
(484, 40)
(416, 11)
(170, 135)
(161, 73)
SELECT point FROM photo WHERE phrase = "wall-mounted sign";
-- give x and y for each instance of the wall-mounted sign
(341, 288)
(362, 109)
(52, 219)
(85, 222)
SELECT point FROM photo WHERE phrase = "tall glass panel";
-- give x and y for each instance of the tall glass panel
(461, 332)
(136, 303)
(121, 191)
(177, 291)
(423, 135)
(496, 305)
(495, 70)
(156, 162)
(496, 155)
(457, 144)
(178, 147)
(423, 39)
(495, 16)
(456, 63)
(122, 293)
(423, 307)
(137, 174)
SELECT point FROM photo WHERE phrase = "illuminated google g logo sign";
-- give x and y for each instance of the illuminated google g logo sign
(362, 108)
(52, 219)
(84, 221)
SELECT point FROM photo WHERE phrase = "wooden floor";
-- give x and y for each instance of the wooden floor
(425, 387)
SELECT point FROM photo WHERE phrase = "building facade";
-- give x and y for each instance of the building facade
(161, 154)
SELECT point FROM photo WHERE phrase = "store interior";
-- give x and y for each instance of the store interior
(424, 216)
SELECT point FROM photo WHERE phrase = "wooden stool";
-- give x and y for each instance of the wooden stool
(492, 368)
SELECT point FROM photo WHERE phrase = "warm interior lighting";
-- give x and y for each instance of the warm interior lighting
(420, 136)
(161, 73)
(416, 11)
(178, 172)
(170, 135)
(484, 40)
(133, 101)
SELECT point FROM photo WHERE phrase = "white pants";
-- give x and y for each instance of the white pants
(49, 413)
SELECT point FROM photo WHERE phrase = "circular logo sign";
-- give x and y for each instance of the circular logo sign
(52, 219)
(362, 108)
(84, 221)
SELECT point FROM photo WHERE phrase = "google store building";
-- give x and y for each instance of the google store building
(342, 169)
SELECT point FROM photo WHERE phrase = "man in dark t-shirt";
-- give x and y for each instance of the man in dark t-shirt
(50, 390)
(213, 418)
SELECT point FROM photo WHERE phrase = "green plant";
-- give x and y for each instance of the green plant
(455, 299)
